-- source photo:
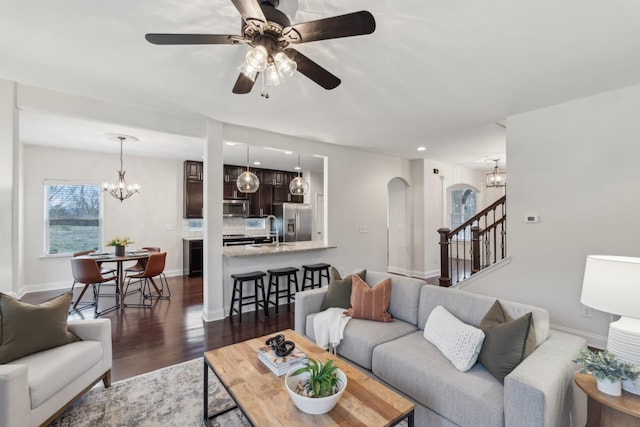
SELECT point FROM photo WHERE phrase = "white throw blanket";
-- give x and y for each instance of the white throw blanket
(328, 327)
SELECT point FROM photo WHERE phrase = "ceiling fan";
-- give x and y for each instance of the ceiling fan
(270, 33)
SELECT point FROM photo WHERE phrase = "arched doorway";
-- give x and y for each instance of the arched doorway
(398, 227)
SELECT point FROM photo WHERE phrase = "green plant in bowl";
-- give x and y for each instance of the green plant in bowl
(322, 380)
(604, 365)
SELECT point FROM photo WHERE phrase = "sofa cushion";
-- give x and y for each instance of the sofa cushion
(362, 336)
(27, 328)
(471, 308)
(405, 294)
(458, 342)
(339, 290)
(417, 368)
(51, 370)
(370, 303)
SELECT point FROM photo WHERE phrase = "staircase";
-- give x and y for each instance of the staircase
(474, 245)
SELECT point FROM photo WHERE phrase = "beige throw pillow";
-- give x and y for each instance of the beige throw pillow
(26, 329)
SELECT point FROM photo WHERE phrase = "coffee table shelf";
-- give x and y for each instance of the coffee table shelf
(262, 398)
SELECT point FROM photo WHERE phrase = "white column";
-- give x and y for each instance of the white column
(8, 187)
(213, 303)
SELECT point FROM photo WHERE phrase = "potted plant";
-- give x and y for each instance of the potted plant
(608, 370)
(119, 243)
(316, 387)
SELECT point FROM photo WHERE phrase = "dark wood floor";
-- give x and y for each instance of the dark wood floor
(173, 331)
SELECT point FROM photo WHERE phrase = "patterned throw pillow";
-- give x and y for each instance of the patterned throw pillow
(370, 303)
(457, 341)
(339, 291)
(26, 329)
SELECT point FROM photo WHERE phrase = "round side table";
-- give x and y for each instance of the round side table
(605, 410)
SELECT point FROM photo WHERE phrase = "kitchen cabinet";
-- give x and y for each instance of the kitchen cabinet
(229, 187)
(281, 194)
(193, 189)
(192, 258)
(261, 202)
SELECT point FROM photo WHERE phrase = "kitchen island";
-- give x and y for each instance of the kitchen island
(243, 259)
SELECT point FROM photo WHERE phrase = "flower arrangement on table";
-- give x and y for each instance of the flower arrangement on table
(605, 366)
(120, 241)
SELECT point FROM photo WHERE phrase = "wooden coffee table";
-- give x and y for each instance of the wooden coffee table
(263, 399)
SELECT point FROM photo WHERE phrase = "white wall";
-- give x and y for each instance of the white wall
(151, 218)
(8, 186)
(576, 165)
(399, 223)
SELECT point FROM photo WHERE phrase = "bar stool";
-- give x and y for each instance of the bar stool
(291, 274)
(310, 275)
(238, 282)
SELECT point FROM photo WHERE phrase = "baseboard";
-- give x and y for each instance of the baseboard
(593, 340)
(210, 316)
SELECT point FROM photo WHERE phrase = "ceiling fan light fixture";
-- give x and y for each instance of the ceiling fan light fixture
(248, 71)
(257, 58)
(272, 75)
(285, 65)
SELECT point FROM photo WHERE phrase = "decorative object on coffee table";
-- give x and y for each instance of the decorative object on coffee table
(119, 243)
(316, 387)
(608, 370)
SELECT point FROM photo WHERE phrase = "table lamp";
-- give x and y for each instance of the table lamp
(612, 284)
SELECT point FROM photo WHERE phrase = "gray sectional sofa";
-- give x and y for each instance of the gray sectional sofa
(538, 392)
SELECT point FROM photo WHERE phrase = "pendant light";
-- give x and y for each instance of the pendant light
(248, 182)
(495, 178)
(298, 185)
(120, 189)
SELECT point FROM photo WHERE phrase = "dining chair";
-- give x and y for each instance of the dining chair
(103, 270)
(139, 266)
(154, 268)
(87, 272)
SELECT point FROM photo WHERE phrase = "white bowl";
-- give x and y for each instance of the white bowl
(313, 405)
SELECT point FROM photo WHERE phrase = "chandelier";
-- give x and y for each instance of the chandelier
(277, 67)
(247, 181)
(495, 178)
(298, 185)
(120, 189)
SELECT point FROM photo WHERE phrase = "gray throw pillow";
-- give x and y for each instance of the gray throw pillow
(339, 291)
(507, 342)
(26, 329)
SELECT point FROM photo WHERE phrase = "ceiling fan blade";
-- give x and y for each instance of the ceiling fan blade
(164, 39)
(312, 70)
(244, 84)
(249, 9)
(352, 24)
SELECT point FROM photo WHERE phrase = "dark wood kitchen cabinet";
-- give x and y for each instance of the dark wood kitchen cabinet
(229, 186)
(261, 202)
(192, 257)
(193, 189)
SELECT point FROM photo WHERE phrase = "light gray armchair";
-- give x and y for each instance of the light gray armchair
(36, 389)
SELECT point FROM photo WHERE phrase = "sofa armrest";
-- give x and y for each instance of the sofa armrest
(15, 402)
(307, 302)
(538, 391)
(95, 330)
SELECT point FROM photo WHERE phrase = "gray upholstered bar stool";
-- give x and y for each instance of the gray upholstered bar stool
(310, 275)
(291, 275)
(257, 298)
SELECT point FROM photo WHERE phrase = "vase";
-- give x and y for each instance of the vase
(119, 250)
(613, 388)
(313, 405)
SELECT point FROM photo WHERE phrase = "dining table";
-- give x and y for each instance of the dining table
(102, 257)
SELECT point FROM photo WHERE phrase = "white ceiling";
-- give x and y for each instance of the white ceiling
(435, 73)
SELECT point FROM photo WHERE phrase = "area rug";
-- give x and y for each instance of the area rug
(169, 397)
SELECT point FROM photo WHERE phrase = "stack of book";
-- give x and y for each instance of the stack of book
(281, 365)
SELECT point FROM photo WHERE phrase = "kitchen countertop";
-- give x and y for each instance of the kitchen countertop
(269, 249)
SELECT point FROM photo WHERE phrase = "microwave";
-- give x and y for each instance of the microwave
(235, 208)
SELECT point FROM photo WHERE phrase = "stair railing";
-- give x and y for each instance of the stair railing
(476, 244)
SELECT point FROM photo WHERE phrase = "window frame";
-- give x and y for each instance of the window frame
(46, 183)
(466, 236)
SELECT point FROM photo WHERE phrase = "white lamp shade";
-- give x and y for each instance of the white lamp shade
(612, 284)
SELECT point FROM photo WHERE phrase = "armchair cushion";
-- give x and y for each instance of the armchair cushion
(26, 329)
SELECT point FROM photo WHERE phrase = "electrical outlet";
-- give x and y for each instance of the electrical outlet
(586, 311)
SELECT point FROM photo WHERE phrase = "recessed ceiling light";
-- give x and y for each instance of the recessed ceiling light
(256, 163)
(288, 152)
(422, 148)
(230, 143)
(297, 168)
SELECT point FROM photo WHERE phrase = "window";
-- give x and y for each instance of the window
(73, 217)
(463, 207)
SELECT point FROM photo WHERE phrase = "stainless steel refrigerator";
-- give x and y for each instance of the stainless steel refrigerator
(294, 221)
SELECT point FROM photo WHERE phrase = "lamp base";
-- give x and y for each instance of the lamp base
(624, 342)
